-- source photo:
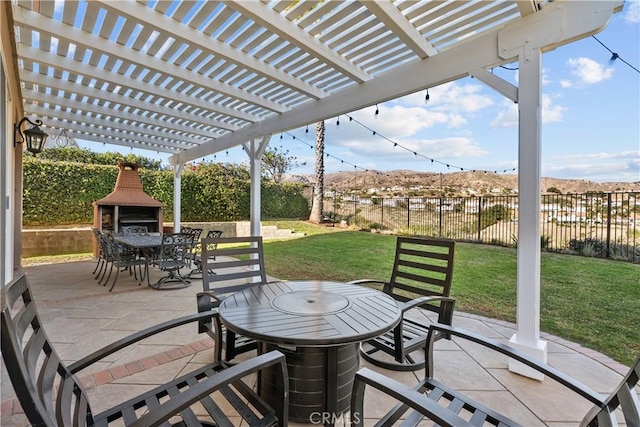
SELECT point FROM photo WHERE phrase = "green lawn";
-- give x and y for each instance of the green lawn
(591, 301)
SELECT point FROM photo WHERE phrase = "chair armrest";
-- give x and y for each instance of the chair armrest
(425, 300)
(402, 393)
(367, 281)
(227, 376)
(560, 377)
(138, 336)
(206, 301)
(445, 314)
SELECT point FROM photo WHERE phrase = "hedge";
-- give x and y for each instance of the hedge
(61, 193)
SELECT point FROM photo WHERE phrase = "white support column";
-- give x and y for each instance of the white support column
(255, 150)
(177, 192)
(527, 336)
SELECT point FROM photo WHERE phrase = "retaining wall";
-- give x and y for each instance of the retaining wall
(63, 241)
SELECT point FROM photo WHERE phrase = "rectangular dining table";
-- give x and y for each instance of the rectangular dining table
(145, 243)
(318, 326)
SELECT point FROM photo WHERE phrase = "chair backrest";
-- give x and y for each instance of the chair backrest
(624, 397)
(174, 246)
(214, 234)
(422, 267)
(223, 272)
(134, 229)
(47, 391)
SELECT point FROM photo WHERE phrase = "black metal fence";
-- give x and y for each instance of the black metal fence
(590, 224)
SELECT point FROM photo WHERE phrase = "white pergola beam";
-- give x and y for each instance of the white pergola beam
(395, 21)
(162, 23)
(500, 85)
(88, 71)
(69, 34)
(557, 24)
(281, 26)
(122, 101)
(41, 98)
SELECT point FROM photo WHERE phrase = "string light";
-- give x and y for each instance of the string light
(426, 97)
(395, 144)
(307, 131)
(615, 56)
(375, 115)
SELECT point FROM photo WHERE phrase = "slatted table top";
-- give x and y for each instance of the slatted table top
(309, 313)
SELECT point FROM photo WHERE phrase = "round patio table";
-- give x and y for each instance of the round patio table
(318, 326)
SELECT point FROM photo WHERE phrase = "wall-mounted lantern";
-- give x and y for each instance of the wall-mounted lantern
(34, 136)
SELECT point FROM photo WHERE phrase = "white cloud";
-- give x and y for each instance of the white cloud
(508, 116)
(551, 112)
(453, 147)
(632, 13)
(566, 83)
(633, 155)
(602, 166)
(450, 97)
(589, 71)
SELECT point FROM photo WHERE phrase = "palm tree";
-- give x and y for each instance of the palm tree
(318, 188)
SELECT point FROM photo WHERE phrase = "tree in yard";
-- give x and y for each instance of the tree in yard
(318, 188)
(277, 162)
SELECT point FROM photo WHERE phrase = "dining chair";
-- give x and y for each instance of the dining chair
(124, 258)
(101, 259)
(229, 264)
(197, 252)
(421, 283)
(171, 259)
(51, 393)
(192, 235)
(134, 229)
(443, 405)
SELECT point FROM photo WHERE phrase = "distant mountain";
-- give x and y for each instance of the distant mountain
(455, 183)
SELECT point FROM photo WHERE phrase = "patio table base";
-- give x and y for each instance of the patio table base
(320, 381)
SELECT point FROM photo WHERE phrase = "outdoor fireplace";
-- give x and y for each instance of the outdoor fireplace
(127, 205)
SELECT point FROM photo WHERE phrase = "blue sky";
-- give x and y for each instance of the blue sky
(590, 130)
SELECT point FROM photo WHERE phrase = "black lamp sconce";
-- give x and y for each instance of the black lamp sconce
(34, 136)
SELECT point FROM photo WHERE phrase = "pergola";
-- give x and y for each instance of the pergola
(195, 78)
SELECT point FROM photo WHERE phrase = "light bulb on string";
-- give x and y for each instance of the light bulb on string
(375, 115)
(614, 56)
(338, 122)
(426, 97)
(307, 131)
(280, 135)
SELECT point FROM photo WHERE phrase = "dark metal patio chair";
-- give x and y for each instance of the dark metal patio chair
(239, 263)
(193, 238)
(420, 279)
(134, 229)
(101, 261)
(432, 400)
(51, 394)
(171, 259)
(197, 252)
(124, 258)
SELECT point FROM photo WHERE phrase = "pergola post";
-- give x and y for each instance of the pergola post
(255, 150)
(177, 193)
(527, 336)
